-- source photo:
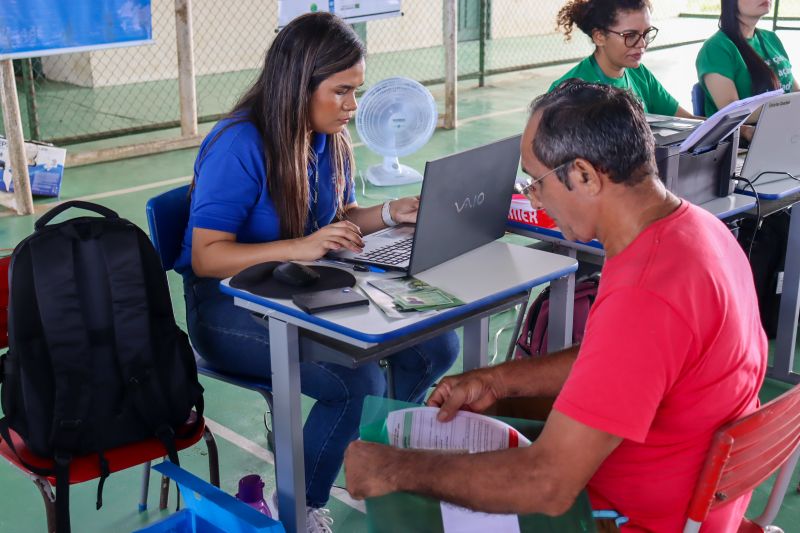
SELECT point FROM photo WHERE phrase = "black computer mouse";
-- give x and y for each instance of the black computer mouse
(291, 273)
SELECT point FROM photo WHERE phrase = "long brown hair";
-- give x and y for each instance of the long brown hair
(306, 52)
(762, 77)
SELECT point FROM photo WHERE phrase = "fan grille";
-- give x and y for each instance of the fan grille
(396, 117)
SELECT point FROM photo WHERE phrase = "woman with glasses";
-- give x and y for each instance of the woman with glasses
(739, 60)
(621, 32)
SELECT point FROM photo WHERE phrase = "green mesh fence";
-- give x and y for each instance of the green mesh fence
(78, 97)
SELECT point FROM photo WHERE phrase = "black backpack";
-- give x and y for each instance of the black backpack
(95, 358)
(767, 260)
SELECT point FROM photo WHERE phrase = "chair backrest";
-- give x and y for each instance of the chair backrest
(167, 217)
(746, 452)
(698, 100)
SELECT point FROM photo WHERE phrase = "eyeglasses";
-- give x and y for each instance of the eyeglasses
(528, 189)
(632, 38)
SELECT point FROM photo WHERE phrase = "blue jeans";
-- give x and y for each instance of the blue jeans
(229, 339)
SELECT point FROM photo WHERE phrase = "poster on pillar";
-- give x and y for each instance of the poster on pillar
(351, 11)
(35, 28)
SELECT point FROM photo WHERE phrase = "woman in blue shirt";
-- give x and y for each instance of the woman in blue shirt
(273, 183)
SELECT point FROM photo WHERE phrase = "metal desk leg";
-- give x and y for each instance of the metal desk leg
(562, 302)
(786, 339)
(476, 343)
(288, 427)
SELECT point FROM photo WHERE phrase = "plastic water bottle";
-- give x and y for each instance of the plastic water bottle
(251, 492)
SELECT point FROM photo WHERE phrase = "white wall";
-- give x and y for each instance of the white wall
(516, 18)
(419, 27)
(233, 35)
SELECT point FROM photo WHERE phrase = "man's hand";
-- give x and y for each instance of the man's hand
(368, 469)
(474, 391)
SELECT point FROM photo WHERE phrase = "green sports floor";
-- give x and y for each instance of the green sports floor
(237, 416)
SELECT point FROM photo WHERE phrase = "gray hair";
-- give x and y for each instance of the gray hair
(602, 124)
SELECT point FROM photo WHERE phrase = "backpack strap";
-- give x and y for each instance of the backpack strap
(131, 315)
(65, 335)
(68, 343)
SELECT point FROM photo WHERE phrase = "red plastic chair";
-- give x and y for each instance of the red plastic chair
(87, 468)
(743, 454)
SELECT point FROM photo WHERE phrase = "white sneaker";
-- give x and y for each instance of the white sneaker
(773, 529)
(318, 520)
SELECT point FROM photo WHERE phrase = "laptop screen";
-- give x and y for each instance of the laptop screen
(465, 201)
(773, 152)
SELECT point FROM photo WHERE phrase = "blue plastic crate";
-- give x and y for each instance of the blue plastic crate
(208, 509)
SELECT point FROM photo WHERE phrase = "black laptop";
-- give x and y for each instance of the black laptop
(463, 205)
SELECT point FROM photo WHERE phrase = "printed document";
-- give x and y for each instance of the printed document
(418, 428)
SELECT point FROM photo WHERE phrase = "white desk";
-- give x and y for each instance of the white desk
(781, 194)
(724, 207)
(491, 278)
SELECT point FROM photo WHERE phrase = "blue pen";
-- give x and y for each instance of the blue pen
(368, 268)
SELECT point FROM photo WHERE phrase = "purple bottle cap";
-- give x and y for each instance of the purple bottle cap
(251, 489)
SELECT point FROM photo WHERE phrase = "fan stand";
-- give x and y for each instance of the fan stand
(391, 172)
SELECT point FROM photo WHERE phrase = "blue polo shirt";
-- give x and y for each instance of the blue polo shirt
(230, 192)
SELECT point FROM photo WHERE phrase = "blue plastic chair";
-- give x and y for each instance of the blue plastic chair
(698, 100)
(167, 217)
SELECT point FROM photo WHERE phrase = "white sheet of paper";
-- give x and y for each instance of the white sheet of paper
(745, 106)
(418, 428)
(456, 519)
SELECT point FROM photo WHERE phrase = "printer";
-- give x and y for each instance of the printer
(697, 159)
(703, 170)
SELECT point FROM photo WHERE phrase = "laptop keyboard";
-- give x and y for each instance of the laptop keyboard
(391, 254)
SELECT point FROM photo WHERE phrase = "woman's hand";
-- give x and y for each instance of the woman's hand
(332, 237)
(404, 210)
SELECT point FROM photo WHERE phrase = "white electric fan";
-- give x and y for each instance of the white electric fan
(395, 117)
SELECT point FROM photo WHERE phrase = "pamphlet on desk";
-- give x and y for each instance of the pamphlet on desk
(398, 296)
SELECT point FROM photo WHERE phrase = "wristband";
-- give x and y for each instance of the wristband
(386, 215)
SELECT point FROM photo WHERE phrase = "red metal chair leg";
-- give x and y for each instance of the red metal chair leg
(213, 457)
(49, 502)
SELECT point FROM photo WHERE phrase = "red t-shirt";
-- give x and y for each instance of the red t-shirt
(673, 349)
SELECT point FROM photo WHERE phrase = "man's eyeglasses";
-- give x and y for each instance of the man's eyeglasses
(632, 38)
(527, 189)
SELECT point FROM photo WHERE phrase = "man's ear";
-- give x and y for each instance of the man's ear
(586, 176)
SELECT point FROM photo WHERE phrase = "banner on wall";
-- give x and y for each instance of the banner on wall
(34, 28)
(351, 11)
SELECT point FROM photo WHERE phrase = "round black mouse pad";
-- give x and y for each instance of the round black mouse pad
(258, 280)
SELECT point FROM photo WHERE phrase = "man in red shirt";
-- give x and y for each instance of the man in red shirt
(673, 349)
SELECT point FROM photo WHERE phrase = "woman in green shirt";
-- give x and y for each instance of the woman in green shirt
(621, 32)
(739, 60)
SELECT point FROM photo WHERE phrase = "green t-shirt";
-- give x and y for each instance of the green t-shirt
(720, 56)
(639, 81)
